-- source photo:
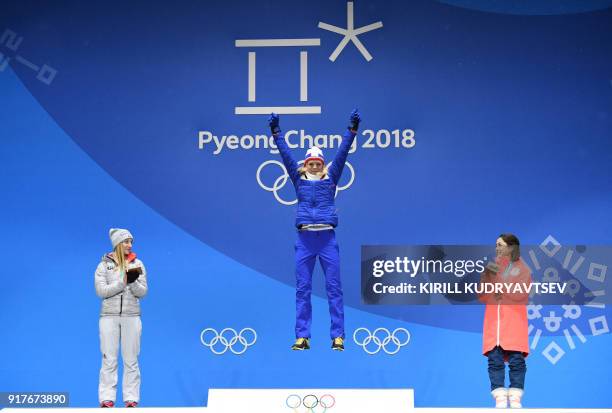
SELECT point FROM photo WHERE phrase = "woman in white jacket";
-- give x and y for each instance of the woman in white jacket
(121, 280)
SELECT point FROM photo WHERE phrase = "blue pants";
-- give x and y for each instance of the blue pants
(309, 245)
(497, 368)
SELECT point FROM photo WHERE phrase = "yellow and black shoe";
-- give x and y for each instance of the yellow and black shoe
(338, 344)
(301, 344)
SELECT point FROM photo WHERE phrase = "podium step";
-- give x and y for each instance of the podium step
(310, 400)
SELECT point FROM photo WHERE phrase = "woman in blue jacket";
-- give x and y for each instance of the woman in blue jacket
(315, 185)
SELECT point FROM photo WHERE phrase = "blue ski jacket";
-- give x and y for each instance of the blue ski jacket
(316, 197)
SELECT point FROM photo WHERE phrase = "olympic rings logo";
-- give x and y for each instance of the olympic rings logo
(311, 402)
(280, 182)
(221, 342)
(389, 343)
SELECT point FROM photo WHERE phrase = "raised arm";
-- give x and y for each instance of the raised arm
(337, 166)
(281, 144)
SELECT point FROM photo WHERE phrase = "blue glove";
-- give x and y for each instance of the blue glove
(354, 120)
(273, 121)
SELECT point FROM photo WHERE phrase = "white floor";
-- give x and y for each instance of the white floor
(309, 401)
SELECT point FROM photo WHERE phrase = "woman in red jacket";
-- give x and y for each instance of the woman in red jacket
(505, 330)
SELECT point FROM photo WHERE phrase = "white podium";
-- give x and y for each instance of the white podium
(310, 400)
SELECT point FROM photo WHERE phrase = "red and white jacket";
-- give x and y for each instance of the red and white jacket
(505, 318)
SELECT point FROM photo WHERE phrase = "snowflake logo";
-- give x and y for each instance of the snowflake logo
(568, 319)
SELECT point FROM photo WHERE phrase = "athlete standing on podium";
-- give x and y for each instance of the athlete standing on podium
(315, 186)
(505, 330)
(121, 281)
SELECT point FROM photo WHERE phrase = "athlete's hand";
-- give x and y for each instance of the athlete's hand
(354, 120)
(273, 121)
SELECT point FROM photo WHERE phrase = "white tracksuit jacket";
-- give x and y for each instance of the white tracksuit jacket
(119, 324)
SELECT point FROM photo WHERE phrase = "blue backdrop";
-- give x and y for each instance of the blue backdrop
(103, 104)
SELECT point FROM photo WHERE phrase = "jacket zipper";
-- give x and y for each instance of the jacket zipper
(498, 321)
(314, 208)
(499, 308)
(121, 305)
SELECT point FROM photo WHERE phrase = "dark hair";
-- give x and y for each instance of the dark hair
(514, 244)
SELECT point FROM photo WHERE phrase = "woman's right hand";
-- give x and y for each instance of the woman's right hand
(274, 122)
(354, 120)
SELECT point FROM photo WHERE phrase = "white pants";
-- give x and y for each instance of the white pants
(127, 330)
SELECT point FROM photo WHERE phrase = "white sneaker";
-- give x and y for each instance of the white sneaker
(515, 397)
(501, 397)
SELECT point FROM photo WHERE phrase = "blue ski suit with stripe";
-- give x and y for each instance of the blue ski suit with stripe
(316, 205)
